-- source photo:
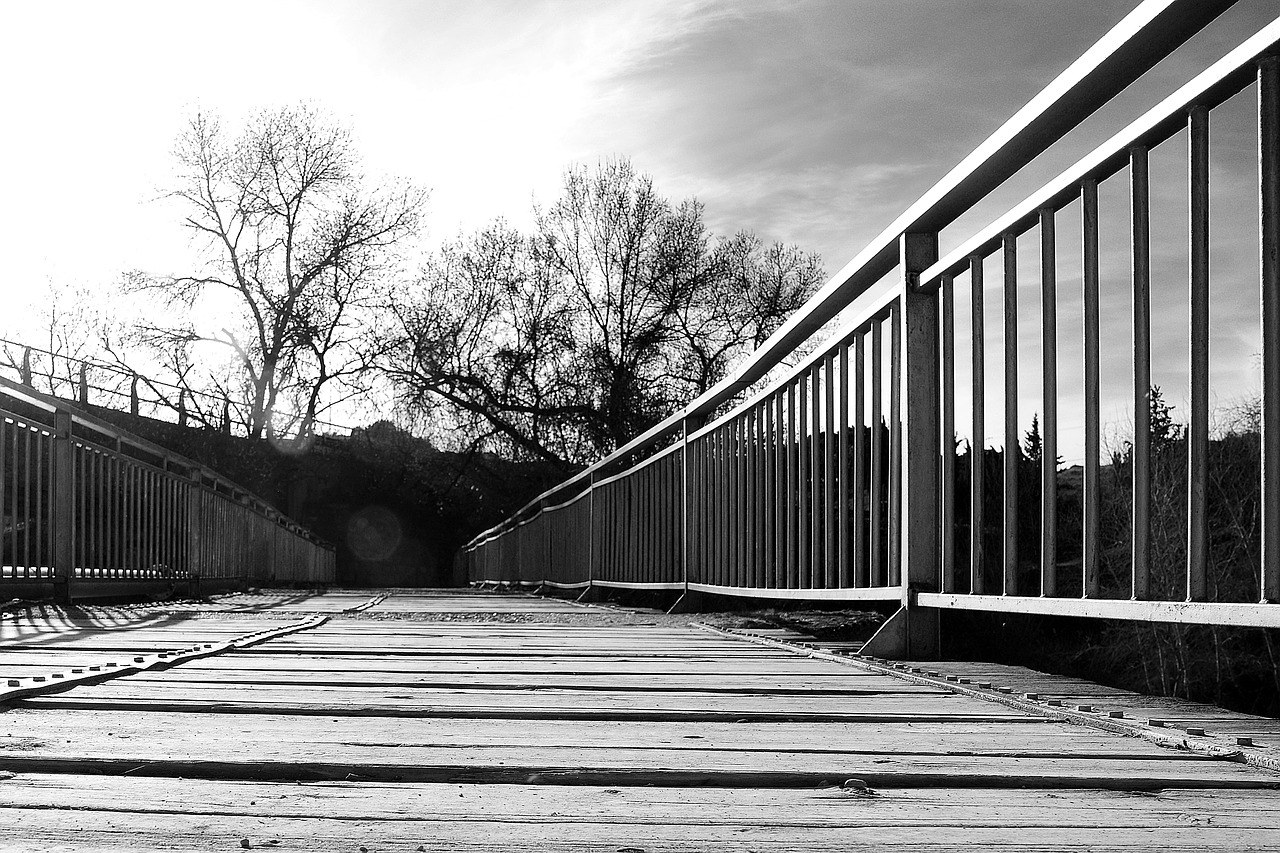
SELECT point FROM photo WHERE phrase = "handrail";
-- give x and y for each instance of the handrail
(1130, 49)
(1212, 86)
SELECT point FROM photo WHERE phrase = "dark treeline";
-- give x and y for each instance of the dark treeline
(396, 508)
(1233, 667)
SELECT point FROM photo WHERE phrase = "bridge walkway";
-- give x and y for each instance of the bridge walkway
(434, 720)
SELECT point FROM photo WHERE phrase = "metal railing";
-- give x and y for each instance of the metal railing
(90, 381)
(89, 509)
(842, 481)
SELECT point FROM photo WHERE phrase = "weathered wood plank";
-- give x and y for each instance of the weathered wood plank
(422, 825)
(24, 730)
(656, 806)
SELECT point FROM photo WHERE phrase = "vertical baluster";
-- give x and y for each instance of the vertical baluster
(947, 429)
(1092, 443)
(749, 498)
(842, 467)
(729, 472)
(694, 523)
(752, 543)
(877, 491)
(1269, 202)
(804, 557)
(17, 482)
(760, 505)
(26, 499)
(1011, 454)
(1049, 403)
(816, 442)
(861, 572)
(54, 522)
(704, 520)
(769, 497)
(780, 490)
(724, 557)
(745, 532)
(793, 486)
(895, 444)
(1198, 427)
(708, 497)
(117, 516)
(977, 467)
(6, 510)
(829, 444)
(731, 504)
(1140, 220)
(91, 487)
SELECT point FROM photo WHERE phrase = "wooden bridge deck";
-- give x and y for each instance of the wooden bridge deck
(452, 720)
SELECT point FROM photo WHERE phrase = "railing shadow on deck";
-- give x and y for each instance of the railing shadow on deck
(838, 481)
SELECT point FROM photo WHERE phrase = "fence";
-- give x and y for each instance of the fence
(841, 481)
(89, 509)
(90, 381)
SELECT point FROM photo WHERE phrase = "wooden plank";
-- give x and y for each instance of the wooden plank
(686, 768)
(420, 825)
(696, 683)
(114, 734)
(528, 804)
(124, 692)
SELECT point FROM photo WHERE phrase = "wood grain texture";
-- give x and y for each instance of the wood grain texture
(589, 734)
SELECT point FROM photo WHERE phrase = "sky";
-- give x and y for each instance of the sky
(812, 122)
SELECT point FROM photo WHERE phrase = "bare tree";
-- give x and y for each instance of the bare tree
(293, 234)
(615, 311)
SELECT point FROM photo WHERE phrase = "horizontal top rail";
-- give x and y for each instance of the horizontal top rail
(1219, 82)
(51, 404)
(1131, 48)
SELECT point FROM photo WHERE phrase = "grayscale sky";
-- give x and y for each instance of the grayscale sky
(807, 121)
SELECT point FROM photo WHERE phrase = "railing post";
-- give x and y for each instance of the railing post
(63, 556)
(195, 527)
(593, 542)
(690, 600)
(921, 462)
